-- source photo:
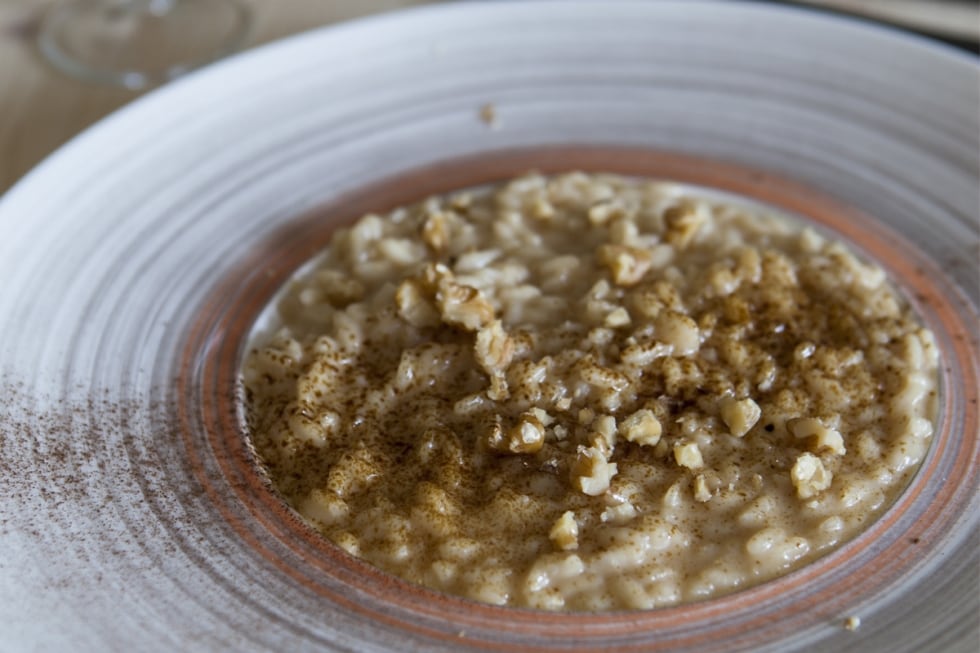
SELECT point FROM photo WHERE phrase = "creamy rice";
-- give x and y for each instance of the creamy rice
(588, 392)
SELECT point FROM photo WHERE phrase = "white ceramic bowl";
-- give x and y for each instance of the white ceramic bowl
(135, 258)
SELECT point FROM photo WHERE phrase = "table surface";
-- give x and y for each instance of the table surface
(41, 109)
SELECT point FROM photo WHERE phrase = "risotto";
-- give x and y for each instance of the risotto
(589, 392)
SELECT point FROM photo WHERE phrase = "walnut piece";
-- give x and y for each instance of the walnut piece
(642, 427)
(626, 264)
(821, 438)
(679, 331)
(414, 306)
(687, 454)
(564, 533)
(740, 415)
(463, 306)
(592, 472)
(682, 223)
(526, 436)
(493, 349)
(809, 476)
(435, 231)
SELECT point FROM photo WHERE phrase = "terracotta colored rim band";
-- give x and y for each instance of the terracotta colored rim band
(212, 428)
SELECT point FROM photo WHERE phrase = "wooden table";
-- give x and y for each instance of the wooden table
(41, 108)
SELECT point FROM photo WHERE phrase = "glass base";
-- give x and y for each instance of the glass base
(139, 43)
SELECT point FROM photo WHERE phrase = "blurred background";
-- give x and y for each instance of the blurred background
(43, 106)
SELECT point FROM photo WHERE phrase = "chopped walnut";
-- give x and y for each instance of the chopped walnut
(526, 436)
(463, 306)
(494, 349)
(435, 231)
(749, 267)
(592, 472)
(617, 318)
(604, 434)
(820, 437)
(542, 209)
(564, 533)
(809, 476)
(414, 306)
(619, 513)
(543, 416)
(702, 493)
(602, 212)
(627, 264)
(740, 415)
(682, 223)
(679, 331)
(642, 427)
(433, 274)
(687, 454)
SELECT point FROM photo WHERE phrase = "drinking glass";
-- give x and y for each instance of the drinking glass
(138, 43)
